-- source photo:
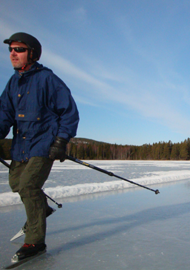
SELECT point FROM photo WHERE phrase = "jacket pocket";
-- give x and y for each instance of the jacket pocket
(28, 116)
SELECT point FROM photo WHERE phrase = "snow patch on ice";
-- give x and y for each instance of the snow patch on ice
(10, 198)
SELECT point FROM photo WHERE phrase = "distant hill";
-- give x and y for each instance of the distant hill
(85, 141)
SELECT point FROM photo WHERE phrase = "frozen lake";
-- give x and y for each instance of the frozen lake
(104, 225)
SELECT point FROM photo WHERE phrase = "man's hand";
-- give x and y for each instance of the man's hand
(58, 149)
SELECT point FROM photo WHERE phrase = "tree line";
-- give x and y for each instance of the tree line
(90, 149)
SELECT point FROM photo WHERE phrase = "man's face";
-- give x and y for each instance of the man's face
(19, 59)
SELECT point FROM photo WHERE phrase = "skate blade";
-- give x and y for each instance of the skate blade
(19, 234)
(15, 259)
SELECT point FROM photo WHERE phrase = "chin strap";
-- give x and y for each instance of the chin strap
(21, 68)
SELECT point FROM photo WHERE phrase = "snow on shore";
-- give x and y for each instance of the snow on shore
(157, 177)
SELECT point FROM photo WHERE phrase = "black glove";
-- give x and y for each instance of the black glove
(58, 149)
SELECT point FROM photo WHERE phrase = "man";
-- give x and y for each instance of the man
(44, 117)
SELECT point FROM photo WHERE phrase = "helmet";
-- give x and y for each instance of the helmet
(32, 43)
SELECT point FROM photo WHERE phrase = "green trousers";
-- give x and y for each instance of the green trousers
(27, 179)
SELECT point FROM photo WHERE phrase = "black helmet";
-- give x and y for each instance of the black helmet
(30, 41)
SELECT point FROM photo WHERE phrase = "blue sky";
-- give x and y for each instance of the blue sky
(126, 62)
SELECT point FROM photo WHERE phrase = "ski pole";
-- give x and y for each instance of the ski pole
(8, 166)
(59, 205)
(109, 173)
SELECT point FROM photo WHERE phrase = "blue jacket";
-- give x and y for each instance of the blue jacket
(40, 107)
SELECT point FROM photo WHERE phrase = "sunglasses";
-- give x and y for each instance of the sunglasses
(18, 49)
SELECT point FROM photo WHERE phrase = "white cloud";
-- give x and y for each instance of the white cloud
(148, 100)
(66, 67)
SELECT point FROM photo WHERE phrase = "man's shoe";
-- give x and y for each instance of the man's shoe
(28, 250)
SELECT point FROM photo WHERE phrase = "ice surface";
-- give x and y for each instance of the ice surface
(129, 228)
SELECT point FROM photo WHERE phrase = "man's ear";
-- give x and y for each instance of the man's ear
(31, 54)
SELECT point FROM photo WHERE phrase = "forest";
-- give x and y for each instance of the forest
(82, 148)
